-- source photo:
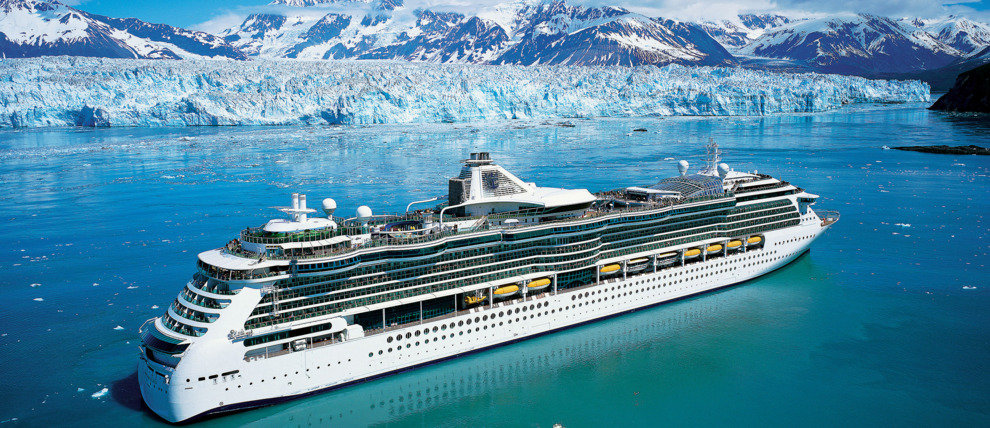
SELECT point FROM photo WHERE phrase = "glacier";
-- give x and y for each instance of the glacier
(73, 91)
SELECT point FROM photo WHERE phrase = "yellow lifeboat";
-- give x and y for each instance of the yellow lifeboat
(665, 255)
(638, 261)
(610, 268)
(754, 240)
(694, 252)
(713, 248)
(538, 284)
(734, 245)
(506, 291)
(474, 300)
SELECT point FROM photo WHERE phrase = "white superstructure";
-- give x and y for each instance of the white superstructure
(297, 307)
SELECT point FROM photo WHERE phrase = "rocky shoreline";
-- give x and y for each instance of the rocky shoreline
(947, 150)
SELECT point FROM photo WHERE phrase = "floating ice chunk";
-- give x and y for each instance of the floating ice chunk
(96, 284)
(35, 285)
(969, 287)
(100, 393)
(154, 306)
(80, 389)
(131, 287)
(903, 224)
(118, 328)
(38, 299)
(186, 138)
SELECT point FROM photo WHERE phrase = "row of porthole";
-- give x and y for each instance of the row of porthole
(285, 375)
(461, 323)
(478, 320)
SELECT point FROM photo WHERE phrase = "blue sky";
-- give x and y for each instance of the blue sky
(215, 14)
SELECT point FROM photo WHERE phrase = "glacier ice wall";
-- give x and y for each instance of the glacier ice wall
(66, 91)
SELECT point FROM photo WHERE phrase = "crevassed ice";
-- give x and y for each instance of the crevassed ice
(66, 91)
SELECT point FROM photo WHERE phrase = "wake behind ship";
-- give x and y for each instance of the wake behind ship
(305, 304)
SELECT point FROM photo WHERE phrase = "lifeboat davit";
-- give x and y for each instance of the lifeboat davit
(754, 240)
(474, 300)
(637, 264)
(506, 291)
(712, 249)
(734, 245)
(692, 253)
(538, 284)
(612, 268)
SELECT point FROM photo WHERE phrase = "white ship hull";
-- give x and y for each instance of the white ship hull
(177, 394)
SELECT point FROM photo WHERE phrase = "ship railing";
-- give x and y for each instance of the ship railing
(437, 235)
(828, 216)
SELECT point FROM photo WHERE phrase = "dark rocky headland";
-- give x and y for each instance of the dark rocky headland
(971, 92)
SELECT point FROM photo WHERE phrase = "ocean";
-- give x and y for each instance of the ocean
(884, 323)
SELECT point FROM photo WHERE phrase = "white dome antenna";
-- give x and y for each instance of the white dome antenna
(682, 167)
(723, 170)
(329, 206)
(363, 214)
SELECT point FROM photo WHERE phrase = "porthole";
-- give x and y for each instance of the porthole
(417, 333)
(469, 321)
(408, 335)
(389, 339)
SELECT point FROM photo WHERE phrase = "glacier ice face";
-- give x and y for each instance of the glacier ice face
(65, 91)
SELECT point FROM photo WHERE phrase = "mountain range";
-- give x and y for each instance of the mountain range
(523, 32)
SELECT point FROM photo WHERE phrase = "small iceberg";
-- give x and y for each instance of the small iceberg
(35, 285)
(80, 389)
(100, 393)
(38, 299)
(131, 287)
(885, 147)
(969, 287)
(668, 158)
(118, 328)
(903, 224)
(154, 306)
(186, 138)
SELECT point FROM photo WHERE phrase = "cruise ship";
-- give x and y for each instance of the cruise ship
(306, 303)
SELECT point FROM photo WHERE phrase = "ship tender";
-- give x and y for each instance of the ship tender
(305, 304)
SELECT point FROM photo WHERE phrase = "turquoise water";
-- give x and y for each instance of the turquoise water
(872, 328)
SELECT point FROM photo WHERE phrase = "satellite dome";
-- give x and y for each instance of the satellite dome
(723, 169)
(329, 206)
(682, 167)
(364, 212)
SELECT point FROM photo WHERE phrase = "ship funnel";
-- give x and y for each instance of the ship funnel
(295, 201)
(682, 167)
(302, 206)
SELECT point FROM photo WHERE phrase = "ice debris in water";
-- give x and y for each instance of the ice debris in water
(109, 92)
(100, 393)
(154, 306)
(903, 224)
(38, 299)
(35, 285)
(80, 389)
(118, 328)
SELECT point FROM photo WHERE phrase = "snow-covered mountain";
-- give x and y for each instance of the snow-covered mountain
(860, 44)
(739, 33)
(965, 35)
(521, 32)
(108, 92)
(30, 28)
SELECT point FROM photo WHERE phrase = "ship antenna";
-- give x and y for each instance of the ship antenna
(713, 155)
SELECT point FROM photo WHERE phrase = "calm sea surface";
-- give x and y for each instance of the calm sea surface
(876, 326)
